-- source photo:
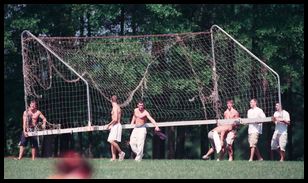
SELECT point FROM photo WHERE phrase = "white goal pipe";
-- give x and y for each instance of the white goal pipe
(249, 52)
(66, 64)
(162, 124)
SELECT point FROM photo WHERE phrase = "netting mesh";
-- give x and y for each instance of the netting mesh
(175, 75)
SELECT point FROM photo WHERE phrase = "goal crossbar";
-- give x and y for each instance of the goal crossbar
(160, 124)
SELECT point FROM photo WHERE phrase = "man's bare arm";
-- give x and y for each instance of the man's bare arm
(24, 121)
(43, 118)
(237, 115)
(152, 121)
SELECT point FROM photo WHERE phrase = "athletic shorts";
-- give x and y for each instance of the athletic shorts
(279, 141)
(253, 139)
(115, 133)
(230, 138)
(24, 141)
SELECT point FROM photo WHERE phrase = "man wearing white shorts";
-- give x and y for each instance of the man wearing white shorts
(115, 130)
(220, 131)
(254, 129)
(138, 135)
(280, 137)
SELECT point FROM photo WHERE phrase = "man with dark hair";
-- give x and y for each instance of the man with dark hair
(138, 135)
(30, 120)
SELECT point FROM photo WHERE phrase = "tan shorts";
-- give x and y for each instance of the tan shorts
(230, 138)
(279, 141)
(253, 139)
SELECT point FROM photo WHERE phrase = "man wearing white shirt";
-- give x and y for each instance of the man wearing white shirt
(279, 140)
(254, 130)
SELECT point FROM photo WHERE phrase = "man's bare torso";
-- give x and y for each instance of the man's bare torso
(140, 117)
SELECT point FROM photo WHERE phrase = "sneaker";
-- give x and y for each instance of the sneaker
(205, 157)
(121, 156)
(260, 159)
(218, 159)
(112, 160)
(250, 160)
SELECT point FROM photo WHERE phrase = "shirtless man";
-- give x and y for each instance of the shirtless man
(30, 120)
(230, 113)
(138, 135)
(222, 130)
(115, 128)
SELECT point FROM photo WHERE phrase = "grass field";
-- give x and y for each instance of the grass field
(162, 169)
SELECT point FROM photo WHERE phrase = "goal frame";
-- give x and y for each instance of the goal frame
(90, 127)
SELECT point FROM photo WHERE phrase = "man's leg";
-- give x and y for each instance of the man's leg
(140, 143)
(209, 152)
(282, 144)
(21, 151)
(258, 154)
(133, 141)
(252, 152)
(113, 154)
(212, 149)
(116, 146)
(282, 155)
(274, 145)
(33, 151)
(230, 151)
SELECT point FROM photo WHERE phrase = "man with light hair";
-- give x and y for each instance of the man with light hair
(115, 130)
(281, 119)
(221, 132)
(230, 113)
(254, 130)
(139, 132)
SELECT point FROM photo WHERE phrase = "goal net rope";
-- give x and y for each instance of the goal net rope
(183, 79)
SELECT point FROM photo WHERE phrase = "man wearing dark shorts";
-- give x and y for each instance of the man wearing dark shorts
(30, 119)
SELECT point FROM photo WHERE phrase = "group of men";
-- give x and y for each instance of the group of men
(138, 134)
(222, 137)
(225, 133)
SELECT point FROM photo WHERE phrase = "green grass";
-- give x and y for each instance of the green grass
(163, 169)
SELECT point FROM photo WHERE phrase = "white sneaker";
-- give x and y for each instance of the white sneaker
(121, 156)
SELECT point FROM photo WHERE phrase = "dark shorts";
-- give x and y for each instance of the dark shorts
(24, 141)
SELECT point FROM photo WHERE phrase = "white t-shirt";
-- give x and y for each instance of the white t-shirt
(282, 128)
(255, 113)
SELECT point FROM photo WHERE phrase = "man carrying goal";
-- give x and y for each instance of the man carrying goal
(138, 135)
(30, 121)
(115, 130)
(254, 130)
(230, 113)
(281, 119)
(227, 133)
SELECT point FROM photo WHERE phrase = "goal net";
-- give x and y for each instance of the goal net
(183, 79)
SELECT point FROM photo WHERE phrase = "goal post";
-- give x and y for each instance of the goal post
(242, 121)
(183, 79)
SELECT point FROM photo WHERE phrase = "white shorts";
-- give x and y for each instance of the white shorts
(115, 133)
(279, 141)
(230, 138)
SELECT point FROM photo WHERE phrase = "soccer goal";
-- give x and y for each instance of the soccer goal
(184, 79)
